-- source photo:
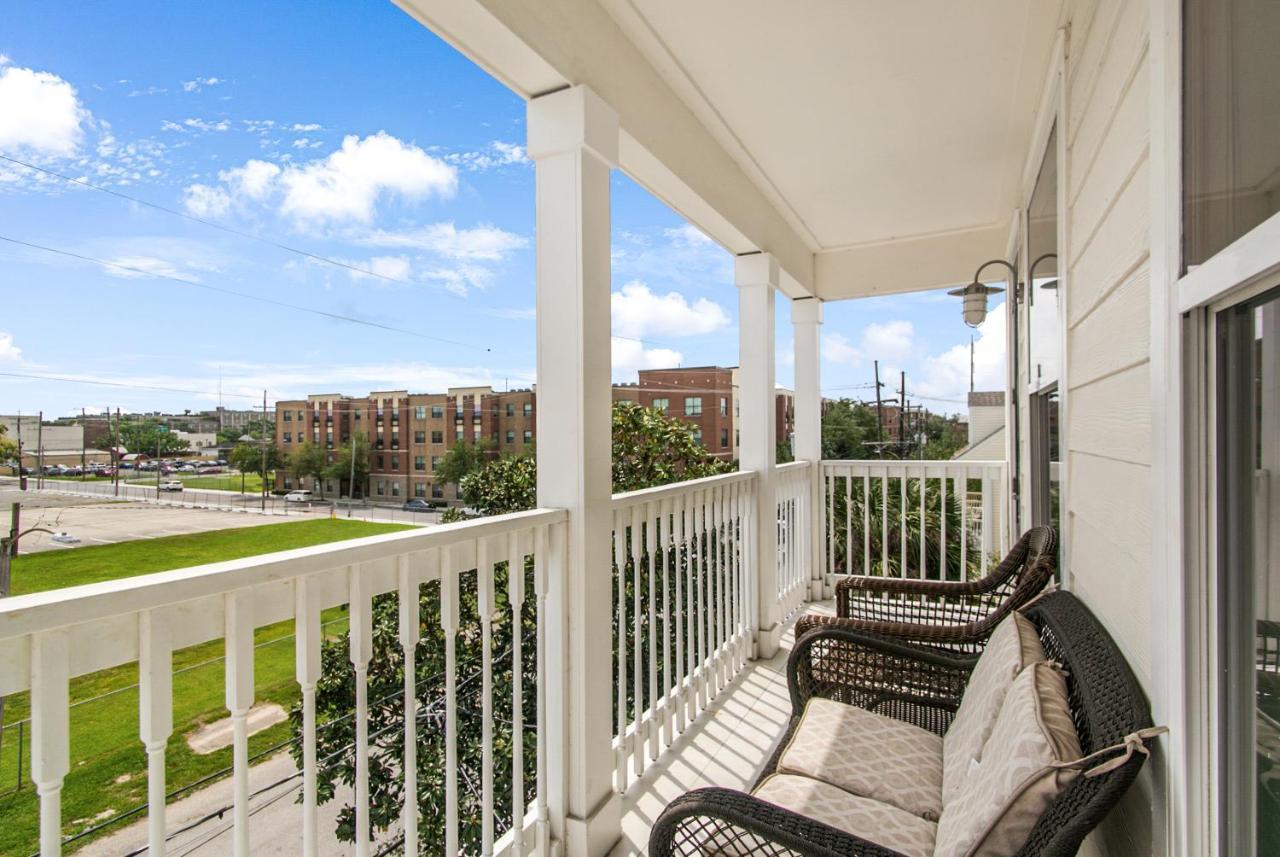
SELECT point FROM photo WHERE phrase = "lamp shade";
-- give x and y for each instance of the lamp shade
(975, 301)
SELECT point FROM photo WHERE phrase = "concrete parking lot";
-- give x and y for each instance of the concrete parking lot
(102, 521)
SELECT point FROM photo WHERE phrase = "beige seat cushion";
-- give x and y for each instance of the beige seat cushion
(1016, 781)
(862, 817)
(1013, 645)
(868, 754)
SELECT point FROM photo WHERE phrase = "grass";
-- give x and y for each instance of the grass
(223, 482)
(108, 763)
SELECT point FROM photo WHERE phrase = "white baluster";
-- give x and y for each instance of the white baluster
(963, 498)
(239, 688)
(722, 550)
(902, 520)
(664, 565)
(637, 666)
(866, 522)
(651, 550)
(485, 604)
(689, 536)
(924, 529)
(515, 594)
(987, 513)
(678, 570)
(449, 625)
(540, 587)
(942, 518)
(620, 564)
(409, 586)
(360, 611)
(155, 715)
(50, 732)
(308, 639)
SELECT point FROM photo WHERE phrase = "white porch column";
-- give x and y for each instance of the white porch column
(757, 279)
(573, 140)
(806, 319)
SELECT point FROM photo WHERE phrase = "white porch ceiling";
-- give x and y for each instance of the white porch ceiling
(886, 139)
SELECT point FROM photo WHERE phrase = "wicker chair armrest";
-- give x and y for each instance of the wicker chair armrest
(966, 637)
(920, 686)
(868, 585)
(729, 822)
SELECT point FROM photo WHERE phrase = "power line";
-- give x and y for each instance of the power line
(222, 290)
(101, 383)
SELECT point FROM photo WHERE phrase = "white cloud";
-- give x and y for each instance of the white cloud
(946, 375)
(9, 353)
(496, 154)
(166, 125)
(205, 125)
(687, 235)
(39, 113)
(483, 242)
(382, 267)
(139, 267)
(681, 256)
(638, 312)
(309, 126)
(837, 349)
(347, 184)
(307, 143)
(629, 356)
(199, 83)
(4, 59)
(892, 342)
(460, 279)
(205, 201)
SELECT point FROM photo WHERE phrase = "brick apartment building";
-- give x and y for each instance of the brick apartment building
(410, 433)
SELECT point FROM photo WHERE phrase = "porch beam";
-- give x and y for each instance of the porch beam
(573, 141)
(806, 321)
(757, 278)
(910, 264)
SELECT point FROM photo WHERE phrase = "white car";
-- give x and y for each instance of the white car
(298, 497)
(170, 485)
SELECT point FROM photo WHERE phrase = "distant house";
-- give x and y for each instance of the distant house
(986, 427)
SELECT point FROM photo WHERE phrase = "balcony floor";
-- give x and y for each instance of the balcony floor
(728, 746)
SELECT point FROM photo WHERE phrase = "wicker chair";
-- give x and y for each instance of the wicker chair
(923, 687)
(953, 616)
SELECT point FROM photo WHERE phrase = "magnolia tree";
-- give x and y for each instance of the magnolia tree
(648, 449)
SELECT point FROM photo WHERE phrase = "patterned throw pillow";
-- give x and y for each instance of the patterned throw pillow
(862, 817)
(1017, 780)
(1013, 645)
(868, 754)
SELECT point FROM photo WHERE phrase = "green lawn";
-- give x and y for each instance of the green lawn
(223, 482)
(108, 764)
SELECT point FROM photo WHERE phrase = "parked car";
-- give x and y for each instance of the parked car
(298, 497)
(106, 471)
(170, 485)
(416, 504)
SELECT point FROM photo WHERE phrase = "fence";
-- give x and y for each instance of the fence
(791, 487)
(941, 520)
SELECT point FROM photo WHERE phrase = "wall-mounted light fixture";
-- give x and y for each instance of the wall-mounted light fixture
(975, 294)
(1031, 277)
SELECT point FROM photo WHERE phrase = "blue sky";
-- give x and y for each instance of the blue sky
(358, 136)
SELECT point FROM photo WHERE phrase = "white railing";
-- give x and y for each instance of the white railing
(791, 487)
(47, 639)
(943, 520)
(682, 569)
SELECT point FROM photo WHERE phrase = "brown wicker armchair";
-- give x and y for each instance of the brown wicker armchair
(953, 616)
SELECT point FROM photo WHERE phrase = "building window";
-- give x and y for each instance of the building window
(419, 437)
(300, 416)
(437, 412)
(662, 404)
(420, 412)
(528, 409)
(724, 407)
(435, 462)
(328, 439)
(511, 409)
(693, 406)
(395, 489)
(381, 464)
(511, 437)
(288, 438)
(382, 488)
(696, 434)
(419, 489)
(625, 402)
(528, 436)
(437, 437)
(724, 437)
(288, 417)
(437, 492)
(395, 462)
(419, 462)
(287, 483)
(459, 435)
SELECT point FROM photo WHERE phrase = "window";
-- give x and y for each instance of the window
(328, 439)
(511, 409)
(435, 462)
(300, 416)
(437, 437)
(382, 488)
(419, 462)
(419, 489)
(459, 434)
(419, 437)
(511, 437)
(696, 434)
(724, 437)
(420, 412)
(395, 462)
(288, 483)
(693, 406)
(528, 436)
(1230, 122)
(1044, 331)
(395, 489)
(288, 438)
(724, 407)
(288, 416)
(380, 462)
(528, 409)
(625, 402)
(437, 492)
(662, 404)
(437, 412)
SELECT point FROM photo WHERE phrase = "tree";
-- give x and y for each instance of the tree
(149, 436)
(8, 448)
(257, 429)
(463, 457)
(846, 427)
(308, 459)
(247, 458)
(649, 449)
(341, 467)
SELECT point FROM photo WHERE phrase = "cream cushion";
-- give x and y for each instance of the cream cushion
(1016, 781)
(1013, 645)
(868, 754)
(863, 817)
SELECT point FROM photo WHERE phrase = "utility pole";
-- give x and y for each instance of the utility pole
(351, 481)
(82, 461)
(115, 449)
(902, 412)
(22, 478)
(40, 449)
(879, 410)
(264, 451)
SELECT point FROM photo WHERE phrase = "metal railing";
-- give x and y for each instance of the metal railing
(46, 639)
(939, 520)
(681, 572)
